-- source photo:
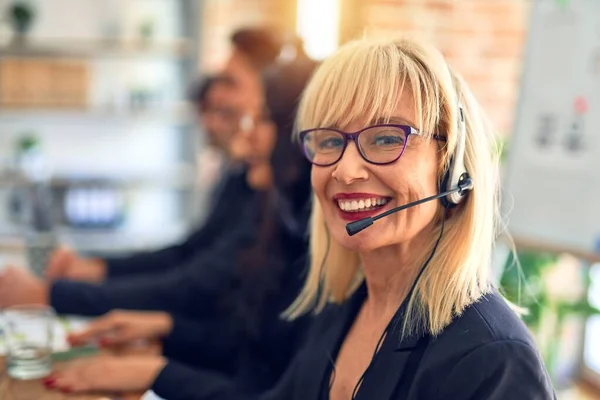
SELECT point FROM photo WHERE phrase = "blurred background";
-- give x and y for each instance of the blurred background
(99, 147)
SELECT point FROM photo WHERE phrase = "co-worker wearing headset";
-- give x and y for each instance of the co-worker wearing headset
(406, 308)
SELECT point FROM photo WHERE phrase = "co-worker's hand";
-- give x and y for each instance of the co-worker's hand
(66, 264)
(121, 327)
(19, 286)
(107, 374)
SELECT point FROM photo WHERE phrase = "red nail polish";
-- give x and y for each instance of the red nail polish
(66, 389)
(49, 381)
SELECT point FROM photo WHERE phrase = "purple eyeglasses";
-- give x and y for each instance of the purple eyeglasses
(377, 144)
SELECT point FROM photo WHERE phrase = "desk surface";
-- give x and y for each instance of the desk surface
(11, 389)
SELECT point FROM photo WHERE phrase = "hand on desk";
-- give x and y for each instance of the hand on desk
(19, 286)
(120, 327)
(66, 264)
(107, 374)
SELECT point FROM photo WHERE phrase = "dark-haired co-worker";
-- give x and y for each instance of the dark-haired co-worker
(229, 224)
(220, 101)
(248, 336)
(222, 311)
(216, 103)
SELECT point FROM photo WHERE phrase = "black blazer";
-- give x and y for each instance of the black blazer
(257, 363)
(484, 354)
(232, 197)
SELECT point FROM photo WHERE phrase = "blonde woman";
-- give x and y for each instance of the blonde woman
(406, 308)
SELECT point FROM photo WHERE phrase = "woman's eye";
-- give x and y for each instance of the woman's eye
(331, 143)
(388, 140)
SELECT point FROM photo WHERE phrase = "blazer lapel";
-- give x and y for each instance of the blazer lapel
(328, 343)
(395, 363)
(390, 367)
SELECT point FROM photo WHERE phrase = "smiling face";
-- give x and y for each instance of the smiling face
(220, 114)
(254, 147)
(353, 188)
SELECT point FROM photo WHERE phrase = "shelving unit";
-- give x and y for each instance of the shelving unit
(134, 132)
(99, 48)
(177, 115)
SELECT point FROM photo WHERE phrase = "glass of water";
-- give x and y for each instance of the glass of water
(29, 337)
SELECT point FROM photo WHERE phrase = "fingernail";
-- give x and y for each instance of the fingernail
(49, 382)
(103, 342)
(66, 389)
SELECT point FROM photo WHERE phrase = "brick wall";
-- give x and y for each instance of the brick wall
(482, 39)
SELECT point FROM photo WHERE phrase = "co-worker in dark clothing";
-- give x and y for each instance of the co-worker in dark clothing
(229, 198)
(248, 342)
(221, 105)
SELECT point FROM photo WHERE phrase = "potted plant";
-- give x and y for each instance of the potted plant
(21, 16)
(552, 289)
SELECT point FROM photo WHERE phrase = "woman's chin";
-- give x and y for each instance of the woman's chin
(260, 177)
(363, 241)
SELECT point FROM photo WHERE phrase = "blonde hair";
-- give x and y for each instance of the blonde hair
(362, 81)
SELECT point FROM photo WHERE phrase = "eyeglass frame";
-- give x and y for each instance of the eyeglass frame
(353, 136)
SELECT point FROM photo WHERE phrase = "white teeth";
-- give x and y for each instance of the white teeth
(360, 205)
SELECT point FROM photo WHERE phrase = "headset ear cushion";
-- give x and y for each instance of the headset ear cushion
(444, 187)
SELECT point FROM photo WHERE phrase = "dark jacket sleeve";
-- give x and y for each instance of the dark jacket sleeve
(499, 370)
(233, 199)
(180, 382)
(185, 290)
(160, 260)
(200, 341)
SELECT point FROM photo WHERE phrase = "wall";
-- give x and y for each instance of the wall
(221, 17)
(482, 39)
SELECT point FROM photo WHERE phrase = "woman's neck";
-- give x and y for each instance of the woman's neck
(389, 275)
(388, 281)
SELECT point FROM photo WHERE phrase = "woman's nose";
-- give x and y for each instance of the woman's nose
(351, 167)
(247, 125)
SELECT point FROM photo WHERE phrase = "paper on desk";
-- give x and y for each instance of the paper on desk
(63, 326)
(150, 395)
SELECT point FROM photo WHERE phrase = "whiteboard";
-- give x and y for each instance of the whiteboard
(551, 189)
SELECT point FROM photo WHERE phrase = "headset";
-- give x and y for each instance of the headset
(457, 174)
